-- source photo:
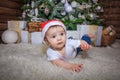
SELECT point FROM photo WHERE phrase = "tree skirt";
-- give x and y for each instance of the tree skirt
(29, 62)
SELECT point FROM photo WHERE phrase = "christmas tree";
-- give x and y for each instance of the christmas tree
(71, 12)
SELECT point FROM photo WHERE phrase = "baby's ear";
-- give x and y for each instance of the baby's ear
(46, 41)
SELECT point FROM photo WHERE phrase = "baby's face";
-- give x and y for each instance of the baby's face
(56, 37)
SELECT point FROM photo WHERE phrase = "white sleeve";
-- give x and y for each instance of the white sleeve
(75, 43)
(52, 55)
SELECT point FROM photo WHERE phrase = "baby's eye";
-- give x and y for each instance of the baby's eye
(61, 34)
(53, 36)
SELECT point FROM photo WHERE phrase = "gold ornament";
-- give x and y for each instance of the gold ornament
(47, 10)
(42, 6)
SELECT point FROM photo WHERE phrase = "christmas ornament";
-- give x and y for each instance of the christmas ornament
(9, 36)
(82, 7)
(31, 13)
(101, 10)
(47, 10)
(79, 15)
(95, 1)
(32, 4)
(28, 4)
(78, 5)
(72, 17)
(88, 6)
(24, 15)
(63, 1)
(92, 16)
(36, 12)
(74, 4)
(63, 13)
(68, 7)
(83, 16)
(98, 8)
(41, 7)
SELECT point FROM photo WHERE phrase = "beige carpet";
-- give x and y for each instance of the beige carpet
(29, 62)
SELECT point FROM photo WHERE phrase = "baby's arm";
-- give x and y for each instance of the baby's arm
(67, 65)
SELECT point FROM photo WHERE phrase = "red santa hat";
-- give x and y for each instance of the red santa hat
(47, 24)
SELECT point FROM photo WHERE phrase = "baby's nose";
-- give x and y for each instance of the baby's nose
(59, 38)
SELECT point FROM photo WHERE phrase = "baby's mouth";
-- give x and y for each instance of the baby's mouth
(59, 43)
(60, 46)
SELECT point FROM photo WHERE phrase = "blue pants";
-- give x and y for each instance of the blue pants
(87, 39)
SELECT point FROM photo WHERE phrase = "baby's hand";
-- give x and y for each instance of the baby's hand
(76, 67)
(67, 65)
(84, 45)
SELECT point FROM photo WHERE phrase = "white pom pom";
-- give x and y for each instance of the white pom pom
(9, 36)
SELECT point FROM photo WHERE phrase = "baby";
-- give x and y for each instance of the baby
(60, 48)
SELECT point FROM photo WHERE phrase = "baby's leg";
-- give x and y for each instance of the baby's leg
(87, 38)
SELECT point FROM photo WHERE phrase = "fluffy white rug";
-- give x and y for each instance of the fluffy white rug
(29, 62)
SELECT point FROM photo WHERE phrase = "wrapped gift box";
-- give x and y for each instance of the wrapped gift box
(25, 36)
(34, 27)
(91, 29)
(31, 37)
(17, 26)
(36, 38)
(72, 34)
